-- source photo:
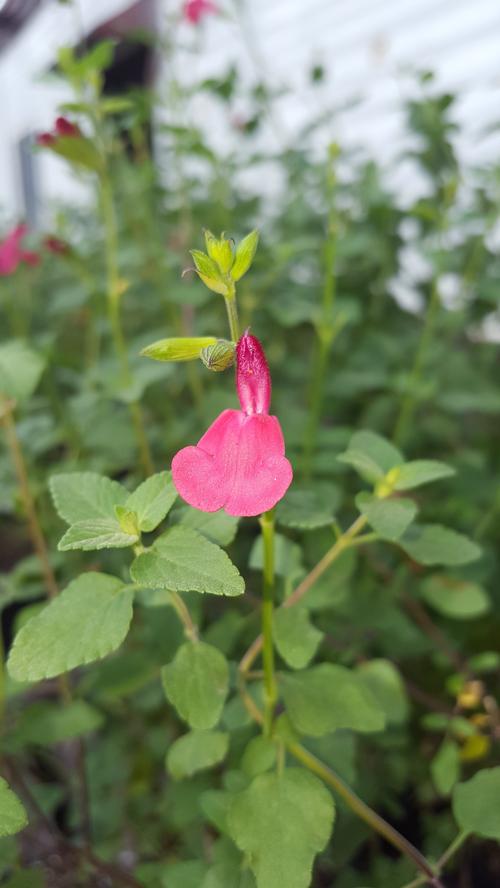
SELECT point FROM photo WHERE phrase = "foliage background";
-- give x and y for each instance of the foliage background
(344, 356)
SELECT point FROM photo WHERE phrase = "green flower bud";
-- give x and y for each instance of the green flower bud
(218, 357)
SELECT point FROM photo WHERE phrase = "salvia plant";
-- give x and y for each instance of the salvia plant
(335, 723)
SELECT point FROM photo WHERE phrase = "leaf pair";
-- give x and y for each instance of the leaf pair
(102, 514)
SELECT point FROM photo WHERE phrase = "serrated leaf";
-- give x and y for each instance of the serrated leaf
(20, 370)
(371, 455)
(281, 822)
(303, 509)
(296, 638)
(218, 527)
(13, 817)
(383, 680)
(182, 560)
(475, 804)
(87, 621)
(152, 500)
(81, 496)
(245, 253)
(445, 767)
(327, 697)
(195, 752)
(196, 682)
(178, 348)
(455, 598)
(98, 533)
(388, 517)
(421, 471)
(431, 544)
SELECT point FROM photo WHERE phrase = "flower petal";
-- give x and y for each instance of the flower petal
(203, 475)
(263, 473)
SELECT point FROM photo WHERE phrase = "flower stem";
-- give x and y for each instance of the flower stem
(232, 316)
(266, 522)
(34, 527)
(343, 542)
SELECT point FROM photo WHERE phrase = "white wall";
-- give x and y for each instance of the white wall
(368, 48)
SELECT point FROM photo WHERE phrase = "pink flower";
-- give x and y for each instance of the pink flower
(239, 464)
(195, 10)
(12, 254)
(63, 128)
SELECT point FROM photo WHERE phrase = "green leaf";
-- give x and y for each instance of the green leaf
(82, 496)
(44, 723)
(196, 751)
(97, 533)
(259, 756)
(384, 681)
(196, 682)
(152, 500)
(475, 804)
(281, 822)
(431, 544)
(388, 517)
(455, 598)
(218, 527)
(371, 455)
(445, 767)
(208, 271)
(182, 560)
(87, 621)
(78, 150)
(245, 253)
(303, 509)
(20, 370)
(178, 348)
(420, 471)
(12, 814)
(295, 637)
(328, 697)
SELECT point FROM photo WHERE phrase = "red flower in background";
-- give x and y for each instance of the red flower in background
(63, 128)
(12, 253)
(239, 464)
(55, 245)
(195, 10)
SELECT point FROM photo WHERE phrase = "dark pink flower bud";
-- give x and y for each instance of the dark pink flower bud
(64, 127)
(253, 380)
(55, 245)
(45, 140)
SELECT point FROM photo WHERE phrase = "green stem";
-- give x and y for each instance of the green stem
(232, 316)
(182, 611)
(114, 314)
(364, 811)
(266, 522)
(325, 329)
(343, 542)
(409, 400)
(20, 468)
(452, 849)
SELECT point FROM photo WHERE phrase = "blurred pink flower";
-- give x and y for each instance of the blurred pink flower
(195, 10)
(63, 128)
(239, 464)
(12, 254)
